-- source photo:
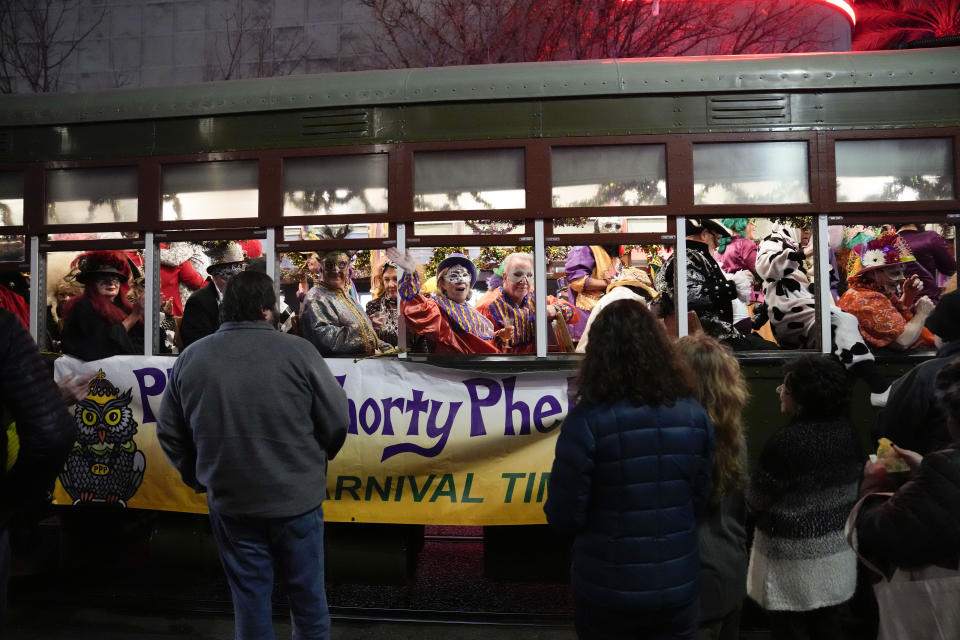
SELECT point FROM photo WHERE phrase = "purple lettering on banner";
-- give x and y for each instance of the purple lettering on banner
(415, 406)
(477, 403)
(433, 431)
(352, 410)
(369, 405)
(388, 404)
(546, 407)
(351, 407)
(158, 382)
(508, 385)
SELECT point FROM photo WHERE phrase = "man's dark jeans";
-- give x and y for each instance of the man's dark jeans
(251, 548)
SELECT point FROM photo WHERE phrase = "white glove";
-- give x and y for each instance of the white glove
(924, 307)
(743, 280)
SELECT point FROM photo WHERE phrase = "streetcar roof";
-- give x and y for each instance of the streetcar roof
(515, 81)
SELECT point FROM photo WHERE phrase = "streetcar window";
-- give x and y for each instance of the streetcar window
(12, 249)
(609, 176)
(344, 301)
(469, 180)
(77, 325)
(483, 298)
(894, 170)
(102, 195)
(750, 173)
(918, 262)
(469, 227)
(590, 277)
(336, 231)
(749, 282)
(611, 224)
(206, 190)
(11, 198)
(189, 268)
(335, 185)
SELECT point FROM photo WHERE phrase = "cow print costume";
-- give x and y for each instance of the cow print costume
(790, 296)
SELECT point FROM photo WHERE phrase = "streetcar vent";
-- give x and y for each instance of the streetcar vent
(771, 108)
(6, 141)
(342, 123)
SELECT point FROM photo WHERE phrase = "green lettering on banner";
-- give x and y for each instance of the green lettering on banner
(418, 493)
(528, 486)
(466, 490)
(352, 489)
(382, 490)
(544, 481)
(450, 491)
(512, 477)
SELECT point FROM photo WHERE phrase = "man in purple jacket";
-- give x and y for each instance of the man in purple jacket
(932, 253)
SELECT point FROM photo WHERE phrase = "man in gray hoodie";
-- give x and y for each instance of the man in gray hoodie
(250, 416)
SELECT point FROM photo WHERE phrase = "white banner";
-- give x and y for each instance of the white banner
(426, 444)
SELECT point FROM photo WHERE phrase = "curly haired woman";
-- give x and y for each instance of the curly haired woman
(630, 476)
(722, 390)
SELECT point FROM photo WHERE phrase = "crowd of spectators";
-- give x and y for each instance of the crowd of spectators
(672, 526)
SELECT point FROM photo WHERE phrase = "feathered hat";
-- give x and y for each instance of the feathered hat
(889, 250)
(222, 252)
(634, 277)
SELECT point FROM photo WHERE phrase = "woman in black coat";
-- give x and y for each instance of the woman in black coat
(100, 322)
(920, 524)
(631, 474)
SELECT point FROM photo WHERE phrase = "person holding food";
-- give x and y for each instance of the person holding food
(801, 568)
(920, 524)
(912, 417)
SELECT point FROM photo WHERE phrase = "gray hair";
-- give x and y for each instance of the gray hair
(513, 257)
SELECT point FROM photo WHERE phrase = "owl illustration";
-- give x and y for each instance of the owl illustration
(104, 464)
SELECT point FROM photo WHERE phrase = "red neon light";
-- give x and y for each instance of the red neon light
(843, 5)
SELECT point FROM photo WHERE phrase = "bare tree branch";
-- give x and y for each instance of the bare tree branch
(423, 33)
(251, 47)
(34, 43)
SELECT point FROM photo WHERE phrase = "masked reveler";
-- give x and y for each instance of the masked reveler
(590, 270)
(889, 308)
(789, 295)
(332, 319)
(512, 304)
(446, 320)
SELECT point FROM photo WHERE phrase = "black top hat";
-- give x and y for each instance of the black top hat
(696, 225)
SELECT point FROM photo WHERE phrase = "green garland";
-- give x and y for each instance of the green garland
(571, 222)
(493, 227)
(362, 264)
(800, 222)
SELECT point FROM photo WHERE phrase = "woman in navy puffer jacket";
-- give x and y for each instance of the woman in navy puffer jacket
(631, 474)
